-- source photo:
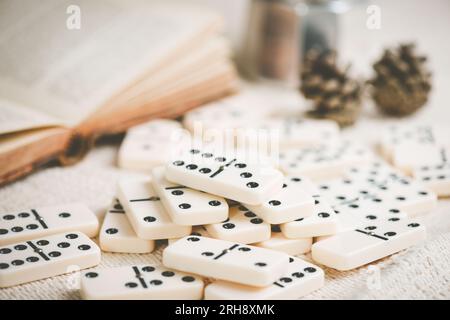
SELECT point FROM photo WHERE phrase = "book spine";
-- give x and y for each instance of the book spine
(76, 148)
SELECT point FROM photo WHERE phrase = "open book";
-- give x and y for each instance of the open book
(129, 61)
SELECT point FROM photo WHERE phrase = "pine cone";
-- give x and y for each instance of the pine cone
(345, 117)
(335, 95)
(402, 82)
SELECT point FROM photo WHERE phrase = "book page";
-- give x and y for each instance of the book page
(68, 73)
(201, 57)
(14, 117)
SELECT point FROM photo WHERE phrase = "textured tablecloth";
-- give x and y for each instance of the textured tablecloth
(420, 272)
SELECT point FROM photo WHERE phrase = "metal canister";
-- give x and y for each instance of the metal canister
(281, 31)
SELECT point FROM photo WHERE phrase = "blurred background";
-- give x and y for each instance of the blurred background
(269, 38)
(426, 23)
(374, 62)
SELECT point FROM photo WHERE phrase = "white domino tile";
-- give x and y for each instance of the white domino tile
(435, 178)
(226, 260)
(196, 231)
(227, 176)
(37, 222)
(367, 243)
(290, 203)
(242, 226)
(410, 135)
(46, 257)
(145, 211)
(187, 206)
(395, 191)
(289, 132)
(140, 282)
(279, 242)
(407, 157)
(323, 221)
(150, 144)
(324, 161)
(300, 279)
(117, 234)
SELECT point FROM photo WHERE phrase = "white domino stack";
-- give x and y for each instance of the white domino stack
(233, 224)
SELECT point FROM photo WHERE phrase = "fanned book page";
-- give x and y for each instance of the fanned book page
(67, 74)
(15, 118)
(206, 54)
